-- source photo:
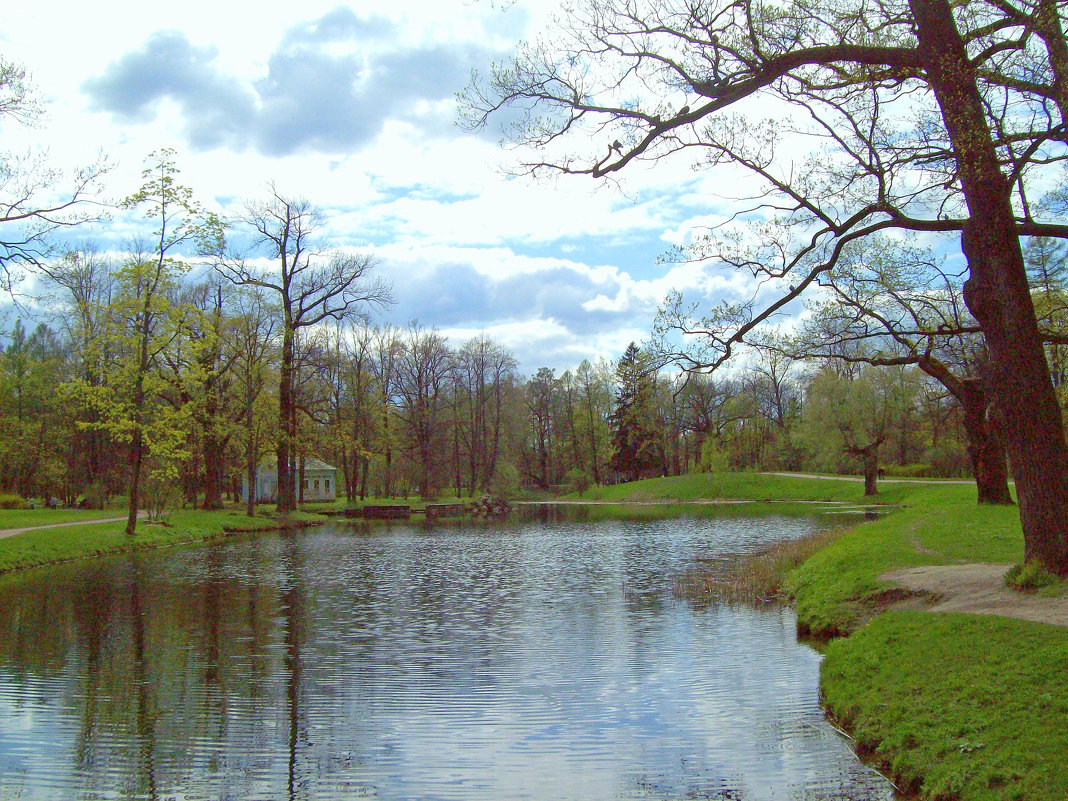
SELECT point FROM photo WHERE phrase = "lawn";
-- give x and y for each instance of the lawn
(26, 518)
(956, 706)
(744, 486)
(47, 546)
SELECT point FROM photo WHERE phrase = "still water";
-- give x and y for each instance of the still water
(543, 659)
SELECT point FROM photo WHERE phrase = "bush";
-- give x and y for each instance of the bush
(96, 495)
(505, 481)
(1029, 576)
(913, 470)
(579, 480)
(160, 496)
(12, 501)
(949, 461)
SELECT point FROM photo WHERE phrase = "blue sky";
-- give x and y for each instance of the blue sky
(352, 105)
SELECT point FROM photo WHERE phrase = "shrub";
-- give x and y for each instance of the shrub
(1029, 576)
(579, 480)
(12, 501)
(96, 495)
(912, 470)
(160, 496)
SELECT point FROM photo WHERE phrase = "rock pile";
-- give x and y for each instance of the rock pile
(487, 506)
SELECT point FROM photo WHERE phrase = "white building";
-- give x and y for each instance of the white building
(320, 481)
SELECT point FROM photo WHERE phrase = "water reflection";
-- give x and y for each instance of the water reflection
(543, 660)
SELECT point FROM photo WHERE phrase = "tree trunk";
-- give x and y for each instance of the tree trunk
(286, 433)
(347, 474)
(997, 294)
(137, 444)
(213, 453)
(387, 478)
(137, 453)
(250, 472)
(985, 447)
(870, 456)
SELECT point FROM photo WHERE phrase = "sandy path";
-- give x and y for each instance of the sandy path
(11, 532)
(978, 589)
(880, 481)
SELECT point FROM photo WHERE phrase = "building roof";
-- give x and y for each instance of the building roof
(314, 464)
(310, 464)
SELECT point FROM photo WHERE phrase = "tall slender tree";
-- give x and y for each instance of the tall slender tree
(311, 285)
(637, 451)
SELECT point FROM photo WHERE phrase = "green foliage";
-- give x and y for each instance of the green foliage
(9, 501)
(1029, 576)
(947, 724)
(579, 480)
(713, 458)
(505, 481)
(845, 414)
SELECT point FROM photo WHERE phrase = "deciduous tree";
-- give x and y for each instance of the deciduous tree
(923, 116)
(311, 285)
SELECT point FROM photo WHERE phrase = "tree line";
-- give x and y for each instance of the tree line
(172, 372)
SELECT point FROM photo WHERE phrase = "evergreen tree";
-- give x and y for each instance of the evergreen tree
(636, 444)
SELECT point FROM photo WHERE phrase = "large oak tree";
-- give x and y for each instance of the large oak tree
(922, 116)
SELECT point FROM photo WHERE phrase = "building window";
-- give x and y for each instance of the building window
(316, 485)
(326, 485)
(305, 483)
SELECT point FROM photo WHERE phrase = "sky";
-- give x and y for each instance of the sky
(352, 106)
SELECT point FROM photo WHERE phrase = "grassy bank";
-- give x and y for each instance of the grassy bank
(956, 706)
(742, 486)
(968, 707)
(49, 546)
(342, 503)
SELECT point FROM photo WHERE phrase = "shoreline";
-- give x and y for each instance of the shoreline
(949, 705)
(64, 543)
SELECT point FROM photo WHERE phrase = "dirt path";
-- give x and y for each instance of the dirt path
(11, 532)
(881, 480)
(978, 589)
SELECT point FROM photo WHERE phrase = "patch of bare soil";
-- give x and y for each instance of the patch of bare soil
(978, 589)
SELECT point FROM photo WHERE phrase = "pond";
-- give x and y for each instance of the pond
(542, 658)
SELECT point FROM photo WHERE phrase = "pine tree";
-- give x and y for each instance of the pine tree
(636, 448)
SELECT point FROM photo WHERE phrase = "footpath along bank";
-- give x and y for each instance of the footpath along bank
(951, 705)
(42, 537)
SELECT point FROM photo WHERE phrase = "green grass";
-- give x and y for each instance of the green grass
(745, 486)
(48, 546)
(839, 588)
(956, 706)
(26, 518)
